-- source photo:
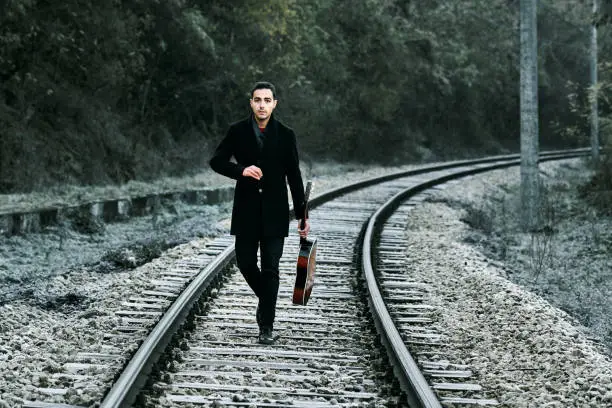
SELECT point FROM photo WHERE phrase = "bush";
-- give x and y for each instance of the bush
(598, 191)
(99, 92)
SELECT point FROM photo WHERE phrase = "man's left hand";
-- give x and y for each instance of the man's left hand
(304, 232)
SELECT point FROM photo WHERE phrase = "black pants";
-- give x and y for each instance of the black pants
(264, 281)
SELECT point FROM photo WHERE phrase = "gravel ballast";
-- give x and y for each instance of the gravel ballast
(505, 324)
(525, 351)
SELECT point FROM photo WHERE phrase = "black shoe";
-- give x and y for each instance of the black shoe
(266, 336)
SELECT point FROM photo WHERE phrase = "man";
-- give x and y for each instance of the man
(266, 158)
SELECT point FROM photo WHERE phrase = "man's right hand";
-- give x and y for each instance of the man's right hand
(252, 171)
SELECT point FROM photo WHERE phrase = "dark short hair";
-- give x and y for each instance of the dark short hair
(264, 85)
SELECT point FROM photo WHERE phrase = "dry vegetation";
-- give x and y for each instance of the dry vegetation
(569, 262)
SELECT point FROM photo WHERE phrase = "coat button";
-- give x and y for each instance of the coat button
(260, 190)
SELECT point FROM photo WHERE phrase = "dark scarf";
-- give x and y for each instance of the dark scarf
(261, 137)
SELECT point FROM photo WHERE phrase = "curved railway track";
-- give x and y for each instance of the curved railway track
(196, 331)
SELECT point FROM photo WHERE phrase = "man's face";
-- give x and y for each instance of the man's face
(263, 103)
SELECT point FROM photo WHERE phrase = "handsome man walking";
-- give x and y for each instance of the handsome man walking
(266, 159)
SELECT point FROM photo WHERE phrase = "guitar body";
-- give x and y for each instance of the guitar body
(306, 262)
(305, 271)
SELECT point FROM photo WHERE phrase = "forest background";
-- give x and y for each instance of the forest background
(108, 91)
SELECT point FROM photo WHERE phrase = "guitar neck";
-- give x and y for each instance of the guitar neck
(306, 198)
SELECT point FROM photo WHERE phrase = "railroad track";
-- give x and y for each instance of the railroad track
(196, 327)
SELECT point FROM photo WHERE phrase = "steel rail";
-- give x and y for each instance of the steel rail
(134, 375)
(128, 385)
(336, 192)
(412, 381)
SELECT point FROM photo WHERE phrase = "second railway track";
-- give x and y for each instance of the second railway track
(327, 354)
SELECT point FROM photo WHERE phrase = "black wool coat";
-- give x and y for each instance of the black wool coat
(261, 207)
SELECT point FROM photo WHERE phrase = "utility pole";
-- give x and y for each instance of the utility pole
(530, 182)
(594, 87)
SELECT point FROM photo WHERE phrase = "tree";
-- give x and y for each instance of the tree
(604, 15)
(594, 89)
(530, 186)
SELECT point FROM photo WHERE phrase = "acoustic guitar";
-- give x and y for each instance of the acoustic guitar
(306, 261)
